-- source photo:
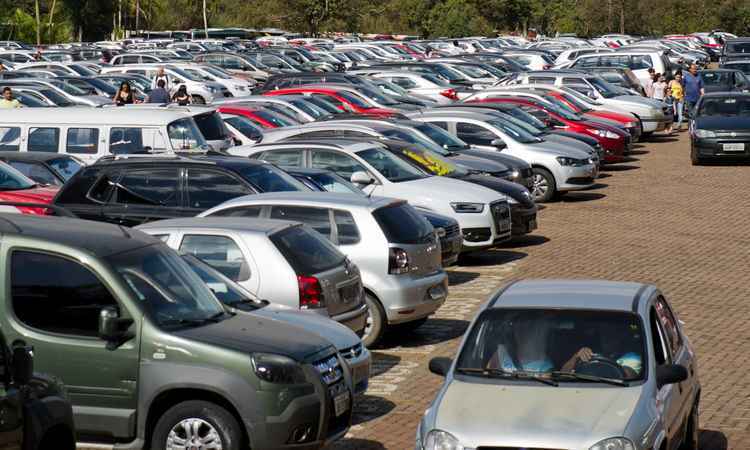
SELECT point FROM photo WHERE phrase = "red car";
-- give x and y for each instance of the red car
(264, 118)
(17, 187)
(628, 121)
(343, 99)
(613, 140)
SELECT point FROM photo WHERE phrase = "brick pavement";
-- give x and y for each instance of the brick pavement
(655, 219)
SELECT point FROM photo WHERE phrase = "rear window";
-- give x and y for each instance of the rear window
(211, 126)
(738, 47)
(306, 251)
(402, 224)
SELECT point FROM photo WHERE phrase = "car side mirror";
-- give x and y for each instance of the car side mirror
(499, 143)
(670, 374)
(113, 328)
(23, 364)
(361, 178)
(440, 365)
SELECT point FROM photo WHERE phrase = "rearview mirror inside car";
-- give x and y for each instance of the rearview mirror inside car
(440, 365)
(670, 374)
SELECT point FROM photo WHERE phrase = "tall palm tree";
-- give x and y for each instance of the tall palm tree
(38, 24)
(205, 19)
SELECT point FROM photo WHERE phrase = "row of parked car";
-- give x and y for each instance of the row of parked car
(227, 265)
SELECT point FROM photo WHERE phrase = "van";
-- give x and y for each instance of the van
(90, 133)
(638, 62)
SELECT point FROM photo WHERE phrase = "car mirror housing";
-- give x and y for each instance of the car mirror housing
(113, 328)
(499, 143)
(440, 365)
(361, 178)
(670, 374)
(23, 364)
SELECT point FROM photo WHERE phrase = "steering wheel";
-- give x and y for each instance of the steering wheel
(601, 366)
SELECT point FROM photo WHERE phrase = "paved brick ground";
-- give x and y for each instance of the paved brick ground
(656, 219)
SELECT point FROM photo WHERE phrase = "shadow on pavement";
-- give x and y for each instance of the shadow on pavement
(456, 278)
(355, 444)
(712, 440)
(489, 258)
(528, 240)
(369, 407)
(604, 175)
(575, 197)
(597, 186)
(663, 138)
(382, 363)
(434, 331)
(639, 152)
(621, 167)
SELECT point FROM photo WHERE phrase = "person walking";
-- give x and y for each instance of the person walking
(677, 92)
(8, 102)
(159, 95)
(161, 75)
(124, 95)
(659, 88)
(649, 86)
(181, 97)
(694, 88)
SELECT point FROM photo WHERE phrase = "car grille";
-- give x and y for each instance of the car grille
(739, 135)
(501, 216)
(352, 352)
(452, 230)
(329, 369)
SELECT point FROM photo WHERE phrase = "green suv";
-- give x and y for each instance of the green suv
(151, 359)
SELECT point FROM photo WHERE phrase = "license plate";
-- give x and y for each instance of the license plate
(734, 147)
(503, 225)
(341, 403)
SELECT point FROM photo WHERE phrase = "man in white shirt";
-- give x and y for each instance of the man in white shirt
(160, 75)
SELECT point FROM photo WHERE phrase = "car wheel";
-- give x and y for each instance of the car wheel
(543, 185)
(198, 100)
(692, 431)
(197, 424)
(376, 323)
(694, 158)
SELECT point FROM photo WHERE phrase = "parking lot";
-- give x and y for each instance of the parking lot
(653, 219)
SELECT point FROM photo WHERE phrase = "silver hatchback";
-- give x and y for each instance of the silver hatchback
(567, 364)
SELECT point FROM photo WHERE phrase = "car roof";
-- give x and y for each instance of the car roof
(220, 161)
(576, 294)
(88, 115)
(33, 156)
(98, 238)
(314, 198)
(241, 224)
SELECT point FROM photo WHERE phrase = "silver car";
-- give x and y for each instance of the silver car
(568, 364)
(395, 248)
(284, 262)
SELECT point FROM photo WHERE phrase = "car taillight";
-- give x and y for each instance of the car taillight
(398, 261)
(546, 66)
(450, 93)
(310, 293)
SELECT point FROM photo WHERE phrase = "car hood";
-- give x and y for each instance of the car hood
(496, 156)
(716, 123)
(513, 190)
(556, 149)
(604, 121)
(435, 193)
(639, 100)
(472, 162)
(254, 333)
(534, 416)
(571, 142)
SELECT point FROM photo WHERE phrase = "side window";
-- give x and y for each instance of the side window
(538, 113)
(284, 158)
(329, 98)
(346, 228)
(56, 294)
(10, 138)
(157, 187)
(473, 134)
(658, 339)
(241, 211)
(339, 163)
(443, 125)
(232, 63)
(36, 172)
(669, 325)
(125, 140)
(541, 80)
(82, 141)
(44, 140)
(641, 62)
(208, 188)
(316, 218)
(405, 83)
(220, 252)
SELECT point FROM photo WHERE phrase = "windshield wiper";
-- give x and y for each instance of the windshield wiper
(557, 375)
(214, 318)
(500, 373)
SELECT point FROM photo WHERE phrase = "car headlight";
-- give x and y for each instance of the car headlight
(211, 89)
(704, 134)
(566, 161)
(441, 440)
(629, 124)
(277, 369)
(604, 133)
(463, 207)
(617, 443)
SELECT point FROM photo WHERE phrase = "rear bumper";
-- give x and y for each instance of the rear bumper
(406, 298)
(355, 319)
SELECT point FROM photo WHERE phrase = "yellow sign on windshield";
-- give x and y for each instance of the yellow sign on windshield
(433, 165)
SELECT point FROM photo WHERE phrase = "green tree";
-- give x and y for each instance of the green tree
(457, 18)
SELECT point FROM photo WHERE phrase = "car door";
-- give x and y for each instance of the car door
(11, 404)
(144, 195)
(667, 397)
(56, 300)
(337, 162)
(224, 252)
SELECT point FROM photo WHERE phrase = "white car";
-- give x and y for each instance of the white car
(421, 84)
(238, 87)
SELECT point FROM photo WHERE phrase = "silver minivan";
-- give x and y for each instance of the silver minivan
(395, 248)
(286, 263)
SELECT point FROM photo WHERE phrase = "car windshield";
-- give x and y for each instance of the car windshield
(55, 97)
(402, 224)
(738, 47)
(185, 134)
(313, 111)
(473, 71)
(102, 86)
(323, 104)
(562, 112)
(184, 74)
(65, 167)
(13, 180)
(29, 99)
(724, 106)
(607, 90)
(275, 118)
(431, 162)
(545, 341)
(441, 137)
(433, 79)
(225, 290)
(306, 250)
(69, 88)
(377, 96)
(577, 104)
(519, 113)
(267, 178)
(514, 132)
(449, 74)
(218, 73)
(717, 78)
(390, 166)
(168, 290)
(245, 126)
(413, 138)
(354, 99)
(743, 67)
(82, 71)
(532, 130)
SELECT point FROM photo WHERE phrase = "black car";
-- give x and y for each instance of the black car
(51, 169)
(720, 128)
(736, 48)
(724, 80)
(131, 190)
(289, 80)
(743, 65)
(326, 181)
(35, 413)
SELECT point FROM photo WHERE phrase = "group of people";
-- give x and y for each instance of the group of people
(682, 92)
(160, 92)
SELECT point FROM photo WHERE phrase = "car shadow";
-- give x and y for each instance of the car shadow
(352, 443)
(604, 175)
(457, 277)
(712, 440)
(383, 362)
(639, 152)
(489, 258)
(576, 197)
(528, 240)
(597, 186)
(621, 168)
(434, 331)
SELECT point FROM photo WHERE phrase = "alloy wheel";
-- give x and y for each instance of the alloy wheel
(540, 186)
(193, 434)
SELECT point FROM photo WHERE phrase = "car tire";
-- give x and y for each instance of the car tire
(692, 430)
(544, 187)
(198, 100)
(214, 422)
(694, 158)
(376, 322)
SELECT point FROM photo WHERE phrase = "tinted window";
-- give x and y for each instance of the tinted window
(56, 294)
(242, 211)
(125, 140)
(307, 252)
(346, 228)
(37, 172)
(208, 188)
(65, 167)
(153, 187)
(44, 140)
(10, 138)
(336, 162)
(669, 325)
(402, 224)
(245, 126)
(724, 106)
(82, 140)
(641, 62)
(541, 80)
(474, 134)
(211, 126)
(268, 178)
(220, 252)
(317, 218)
(284, 157)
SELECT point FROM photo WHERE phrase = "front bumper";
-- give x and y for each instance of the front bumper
(523, 219)
(450, 246)
(359, 360)
(486, 229)
(658, 123)
(406, 297)
(576, 178)
(714, 148)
